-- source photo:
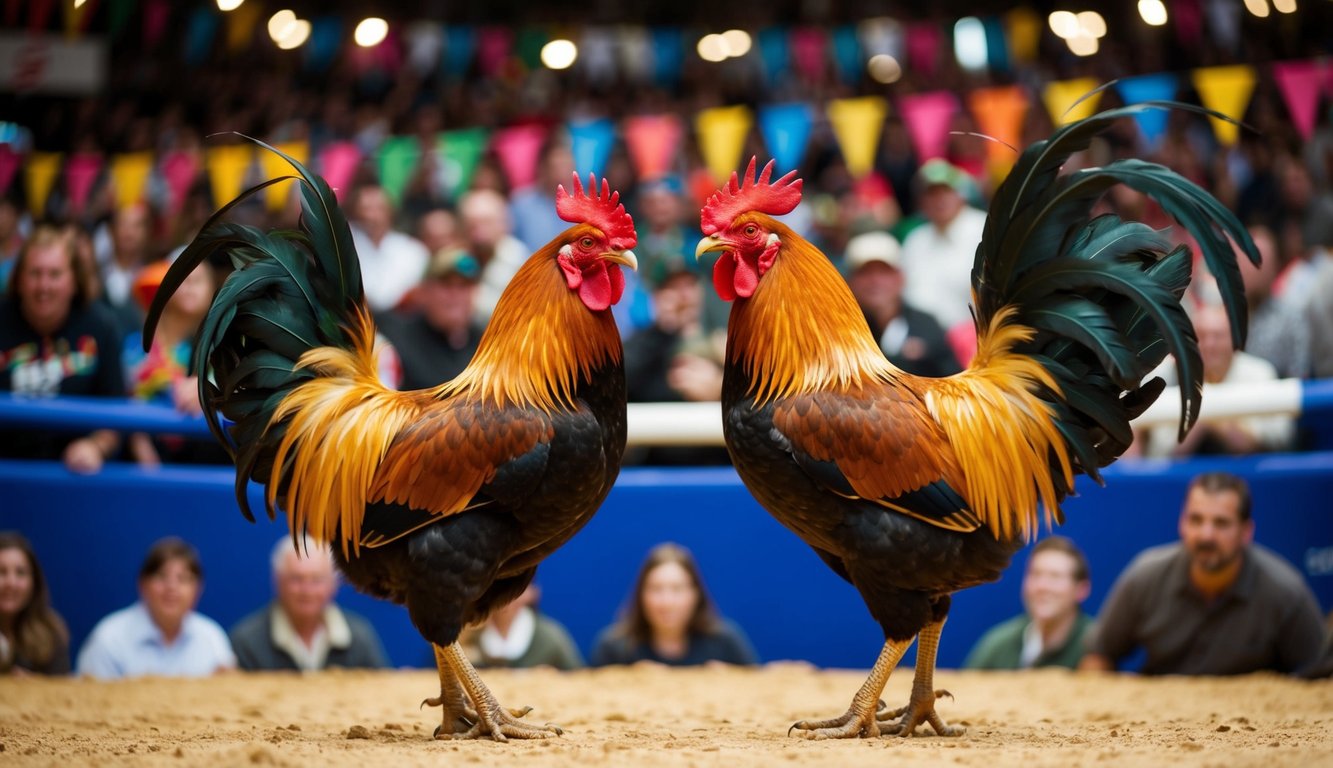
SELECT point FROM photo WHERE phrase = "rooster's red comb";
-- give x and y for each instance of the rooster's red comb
(603, 211)
(736, 198)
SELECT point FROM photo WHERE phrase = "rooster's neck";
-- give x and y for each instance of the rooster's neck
(541, 343)
(802, 330)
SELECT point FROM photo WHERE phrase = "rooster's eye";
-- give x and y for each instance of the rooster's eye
(751, 230)
(586, 242)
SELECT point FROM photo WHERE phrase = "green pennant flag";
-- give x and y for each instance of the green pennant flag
(398, 157)
(458, 153)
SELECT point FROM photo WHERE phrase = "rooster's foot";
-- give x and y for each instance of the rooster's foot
(851, 725)
(501, 724)
(904, 720)
(460, 719)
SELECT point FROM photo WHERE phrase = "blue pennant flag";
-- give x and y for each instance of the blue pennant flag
(199, 35)
(460, 43)
(668, 55)
(591, 142)
(325, 37)
(1152, 122)
(847, 54)
(786, 130)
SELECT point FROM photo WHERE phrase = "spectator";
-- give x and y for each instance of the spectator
(11, 236)
(162, 374)
(1215, 603)
(912, 340)
(303, 628)
(518, 635)
(672, 360)
(937, 256)
(53, 341)
(129, 253)
(670, 619)
(33, 637)
(1278, 331)
(391, 262)
(1050, 632)
(437, 339)
(532, 208)
(1319, 313)
(1222, 364)
(161, 634)
(487, 236)
(437, 229)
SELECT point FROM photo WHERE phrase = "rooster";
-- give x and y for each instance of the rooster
(913, 488)
(443, 500)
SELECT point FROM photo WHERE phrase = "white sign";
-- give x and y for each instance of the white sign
(51, 64)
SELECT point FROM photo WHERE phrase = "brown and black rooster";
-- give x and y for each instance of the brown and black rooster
(443, 500)
(912, 488)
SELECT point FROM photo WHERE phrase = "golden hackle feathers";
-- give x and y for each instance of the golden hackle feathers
(789, 347)
(540, 342)
(1003, 434)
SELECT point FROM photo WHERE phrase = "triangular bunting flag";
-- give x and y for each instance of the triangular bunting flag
(129, 177)
(1062, 99)
(591, 142)
(1152, 122)
(928, 116)
(39, 177)
(227, 168)
(856, 125)
(276, 196)
(999, 113)
(397, 159)
(1226, 90)
(786, 131)
(518, 148)
(459, 152)
(1299, 83)
(652, 141)
(722, 132)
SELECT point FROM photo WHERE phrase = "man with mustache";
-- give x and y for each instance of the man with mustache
(1215, 603)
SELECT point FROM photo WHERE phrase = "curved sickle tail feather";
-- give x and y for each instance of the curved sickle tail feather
(291, 314)
(1072, 312)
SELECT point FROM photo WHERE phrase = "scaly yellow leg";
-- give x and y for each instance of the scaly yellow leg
(486, 716)
(921, 707)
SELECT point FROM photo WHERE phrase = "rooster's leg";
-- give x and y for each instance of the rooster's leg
(860, 717)
(459, 716)
(921, 708)
(487, 716)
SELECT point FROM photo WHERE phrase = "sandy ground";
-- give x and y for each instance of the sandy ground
(648, 716)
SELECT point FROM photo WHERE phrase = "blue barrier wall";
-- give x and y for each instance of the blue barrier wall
(92, 532)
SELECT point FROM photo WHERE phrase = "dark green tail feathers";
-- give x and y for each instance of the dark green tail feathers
(1103, 294)
(291, 291)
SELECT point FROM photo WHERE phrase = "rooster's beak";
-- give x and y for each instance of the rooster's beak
(625, 257)
(708, 244)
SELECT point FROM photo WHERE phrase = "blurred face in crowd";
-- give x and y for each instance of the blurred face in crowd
(878, 288)
(940, 204)
(485, 218)
(1214, 331)
(374, 212)
(447, 302)
(1259, 280)
(678, 302)
(46, 286)
(437, 230)
(558, 167)
(669, 599)
(660, 207)
(15, 583)
(129, 233)
(305, 586)
(1051, 591)
(192, 298)
(1211, 529)
(170, 594)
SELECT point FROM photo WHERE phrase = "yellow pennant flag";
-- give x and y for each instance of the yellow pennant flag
(1226, 90)
(1025, 30)
(241, 23)
(129, 177)
(856, 124)
(39, 176)
(1061, 96)
(722, 132)
(227, 166)
(274, 166)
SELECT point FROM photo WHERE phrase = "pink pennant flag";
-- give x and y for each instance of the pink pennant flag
(9, 165)
(518, 147)
(1299, 82)
(493, 46)
(809, 51)
(155, 13)
(923, 47)
(179, 170)
(1187, 16)
(337, 165)
(928, 116)
(652, 141)
(81, 171)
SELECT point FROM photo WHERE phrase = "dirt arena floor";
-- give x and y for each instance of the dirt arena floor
(648, 716)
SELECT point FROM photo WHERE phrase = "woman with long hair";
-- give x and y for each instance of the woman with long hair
(670, 619)
(33, 637)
